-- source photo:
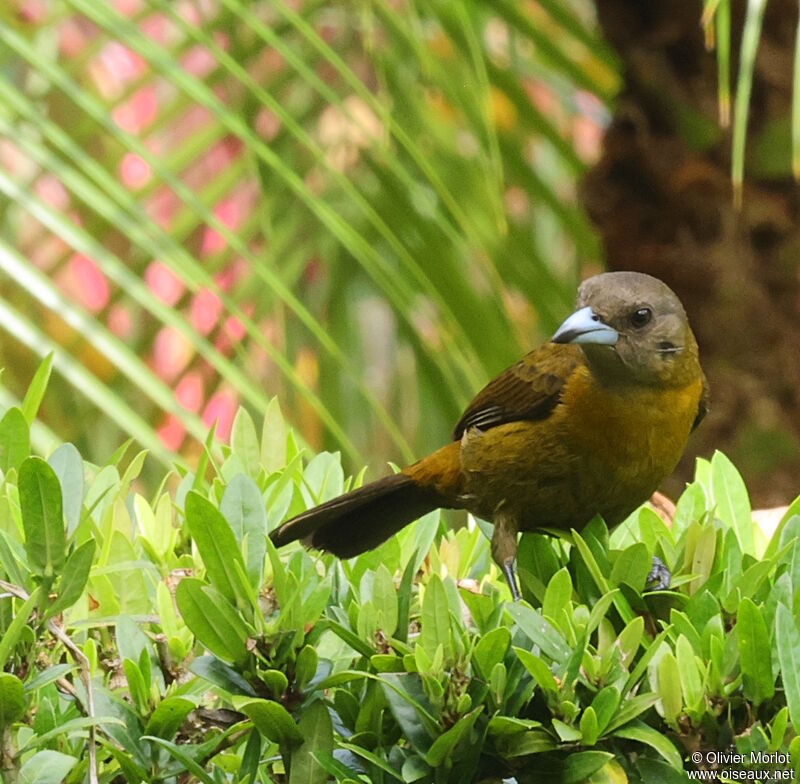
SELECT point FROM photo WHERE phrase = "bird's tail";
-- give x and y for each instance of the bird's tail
(361, 519)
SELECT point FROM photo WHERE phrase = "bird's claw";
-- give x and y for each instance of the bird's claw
(659, 577)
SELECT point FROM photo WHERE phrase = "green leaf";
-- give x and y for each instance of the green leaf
(701, 545)
(631, 708)
(605, 704)
(212, 619)
(217, 545)
(669, 687)
(167, 718)
(632, 566)
(643, 733)
(337, 769)
(405, 697)
(74, 578)
(491, 649)
(598, 575)
(305, 666)
(539, 670)
(374, 759)
(384, 599)
(243, 507)
(68, 466)
(182, 754)
(445, 746)
(137, 687)
(590, 728)
(244, 442)
(787, 639)
(272, 720)
(731, 500)
(40, 502)
(753, 641)
(578, 767)
(12, 699)
(691, 681)
(353, 640)
(435, 619)
(630, 638)
(221, 675)
(36, 389)
(66, 728)
(557, 595)
(46, 767)
(778, 729)
(539, 631)
(14, 631)
(689, 509)
(317, 729)
(566, 732)
(273, 438)
(15, 443)
(510, 725)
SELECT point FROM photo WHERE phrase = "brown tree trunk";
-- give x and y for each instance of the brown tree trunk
(661, 198)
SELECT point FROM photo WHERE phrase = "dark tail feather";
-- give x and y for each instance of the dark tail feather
(362, 519)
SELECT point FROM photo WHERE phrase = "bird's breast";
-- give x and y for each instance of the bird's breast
(601, 451)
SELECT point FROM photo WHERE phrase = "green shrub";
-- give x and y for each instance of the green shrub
(164, 639)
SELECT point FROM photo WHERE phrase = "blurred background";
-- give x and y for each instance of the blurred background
(368, 209)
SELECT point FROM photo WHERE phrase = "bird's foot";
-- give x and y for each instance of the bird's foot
(659, 577)
(511, 579)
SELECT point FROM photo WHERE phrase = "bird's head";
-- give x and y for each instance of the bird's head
(632, 327)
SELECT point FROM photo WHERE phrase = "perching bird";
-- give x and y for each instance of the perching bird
(588, 423)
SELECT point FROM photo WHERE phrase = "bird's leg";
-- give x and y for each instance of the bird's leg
(504, 548)
(659, 577)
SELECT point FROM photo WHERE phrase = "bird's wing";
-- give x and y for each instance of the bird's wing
(705, 401)
(529, 389)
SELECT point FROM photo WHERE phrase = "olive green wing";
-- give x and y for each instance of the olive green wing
(528, 390)
(705, 402)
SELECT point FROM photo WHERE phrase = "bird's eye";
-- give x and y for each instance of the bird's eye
(641, 317)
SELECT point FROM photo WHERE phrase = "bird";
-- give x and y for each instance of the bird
(589, 423)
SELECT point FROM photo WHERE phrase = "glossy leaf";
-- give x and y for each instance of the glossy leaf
(15, 443)
(73, 579)
(753, 641)
(212, 619)
(272, 720)
(787, 637)
(217, 545)
(40, 499)
(12, 699)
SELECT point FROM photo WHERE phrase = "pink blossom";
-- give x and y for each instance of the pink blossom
(228, 213)
(221, 409)
(72, 38)
(163, 282)
(267, 124)
(115, 67)
(128, 7)
(198, 61)
(189, 392)
(205, 311)
(138, 112)
(171, 432)
(119, 321)
(50, 190)
(134, 171)
(171, 353)
(82, 280)
(158, 28)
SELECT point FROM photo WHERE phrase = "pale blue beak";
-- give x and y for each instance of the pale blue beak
(584, 326)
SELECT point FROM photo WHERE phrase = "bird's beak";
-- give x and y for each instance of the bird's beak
(584, 326)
